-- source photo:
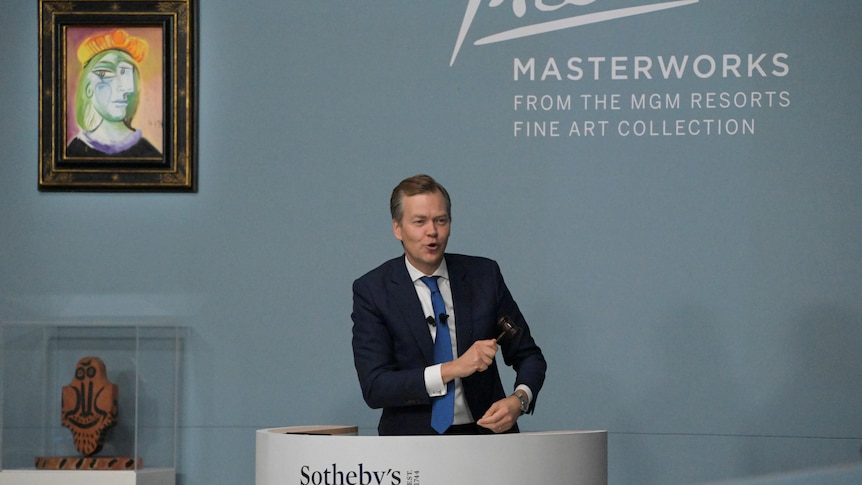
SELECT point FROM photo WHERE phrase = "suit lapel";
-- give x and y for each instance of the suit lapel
(462, 300)
(404, 295)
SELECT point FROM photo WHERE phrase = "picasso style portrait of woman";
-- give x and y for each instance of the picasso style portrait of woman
(117, 94)
(110, 91)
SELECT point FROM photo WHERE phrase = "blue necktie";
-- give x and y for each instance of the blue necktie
(442, 407)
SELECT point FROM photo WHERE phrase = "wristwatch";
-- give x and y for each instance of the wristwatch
(525, 402)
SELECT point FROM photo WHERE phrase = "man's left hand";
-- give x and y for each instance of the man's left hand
(502, 415)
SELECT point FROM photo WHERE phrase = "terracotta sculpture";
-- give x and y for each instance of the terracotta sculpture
(89, 405)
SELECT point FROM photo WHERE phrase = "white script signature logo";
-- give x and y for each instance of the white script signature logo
(519, 7)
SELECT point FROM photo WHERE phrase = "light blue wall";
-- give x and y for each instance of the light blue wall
(698, 296)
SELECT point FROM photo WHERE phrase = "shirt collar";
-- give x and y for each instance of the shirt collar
(441, 271)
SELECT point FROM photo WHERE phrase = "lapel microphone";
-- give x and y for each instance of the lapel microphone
(430, 320)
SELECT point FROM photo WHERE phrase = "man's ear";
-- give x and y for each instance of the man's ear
(396, 229)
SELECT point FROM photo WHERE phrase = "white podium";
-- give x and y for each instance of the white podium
(335, 455)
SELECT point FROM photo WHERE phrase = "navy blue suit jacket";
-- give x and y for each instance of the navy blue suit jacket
(392, 344)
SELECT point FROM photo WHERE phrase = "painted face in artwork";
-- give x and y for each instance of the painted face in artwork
(109, 87)
(112, 81)
(89, 405)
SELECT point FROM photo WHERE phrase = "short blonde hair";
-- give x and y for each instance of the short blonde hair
(415, 185)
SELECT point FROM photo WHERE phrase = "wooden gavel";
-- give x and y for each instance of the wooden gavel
(508, 328)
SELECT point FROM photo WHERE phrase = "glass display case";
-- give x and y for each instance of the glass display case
(38, 360)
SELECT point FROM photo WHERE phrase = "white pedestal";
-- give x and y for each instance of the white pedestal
(155, 476)
(326, 454)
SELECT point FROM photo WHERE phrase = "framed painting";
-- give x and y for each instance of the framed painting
(116, 95)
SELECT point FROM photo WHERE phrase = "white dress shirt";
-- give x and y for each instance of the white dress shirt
(433, 376)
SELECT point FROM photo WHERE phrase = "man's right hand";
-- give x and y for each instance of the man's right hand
(477, 358)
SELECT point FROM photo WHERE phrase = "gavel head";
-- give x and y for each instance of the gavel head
(507, 328)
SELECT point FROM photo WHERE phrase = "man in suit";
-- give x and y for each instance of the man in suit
(396, 323)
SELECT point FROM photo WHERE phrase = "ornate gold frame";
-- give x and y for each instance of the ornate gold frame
(171, 166)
